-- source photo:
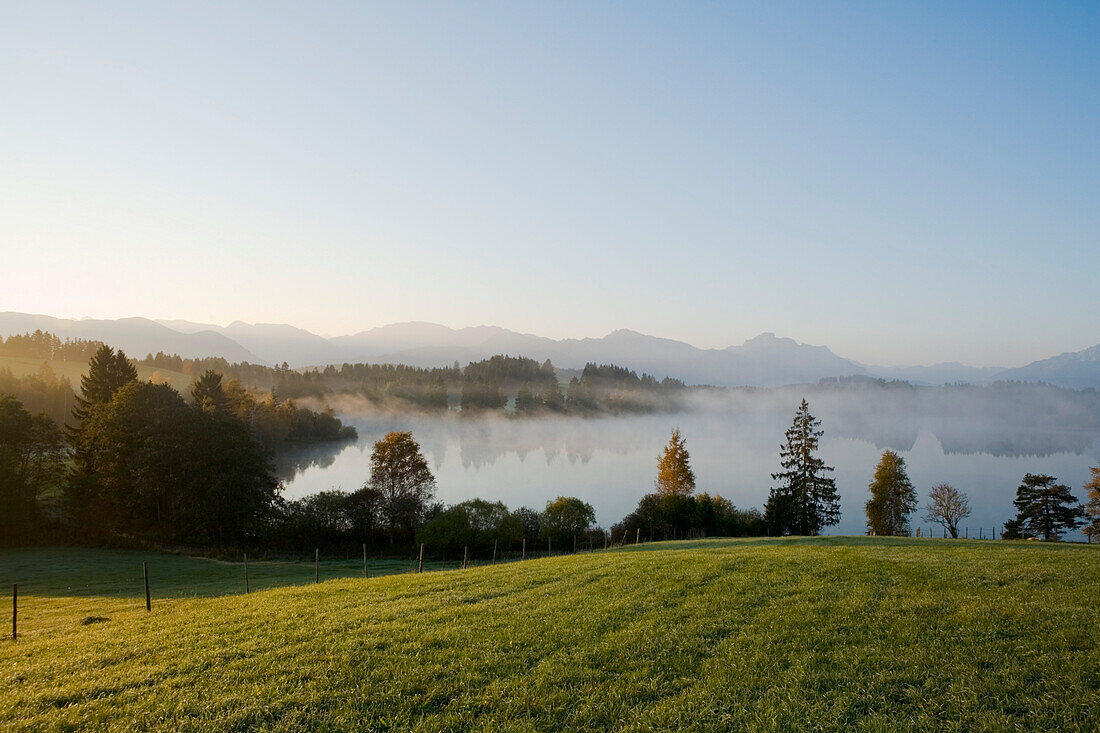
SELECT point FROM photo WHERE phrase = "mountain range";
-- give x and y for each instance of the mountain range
(763, 361)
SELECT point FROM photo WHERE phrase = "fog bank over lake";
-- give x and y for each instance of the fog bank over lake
(734, 443)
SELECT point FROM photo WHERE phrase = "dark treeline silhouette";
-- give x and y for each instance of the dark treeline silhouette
(517, 385)
(45, 345)
(671, 516)
(136, 461)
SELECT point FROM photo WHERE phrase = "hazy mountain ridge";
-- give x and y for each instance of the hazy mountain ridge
(1078, 369)
(764, 361)
(136, 336)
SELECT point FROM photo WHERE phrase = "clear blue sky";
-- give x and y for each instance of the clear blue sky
(905, 183)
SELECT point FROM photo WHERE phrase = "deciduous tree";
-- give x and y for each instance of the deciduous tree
(399, 471)
(566, 517)
(893, 497)
(32, 454)
(947, 506)
(1092, 506)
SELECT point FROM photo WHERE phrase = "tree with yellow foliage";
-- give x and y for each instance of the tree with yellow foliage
(674, 474)
(1092, 506)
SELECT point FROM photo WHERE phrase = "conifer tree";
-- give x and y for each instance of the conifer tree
(108, 371)
(893, 497)
(674, 474)
(1045, 509)
(208, 394)
(806, 499)
(551, 397)
(525, 401)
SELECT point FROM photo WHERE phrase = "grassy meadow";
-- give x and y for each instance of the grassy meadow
(806, 634)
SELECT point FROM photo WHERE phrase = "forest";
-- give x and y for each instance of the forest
(501, 384)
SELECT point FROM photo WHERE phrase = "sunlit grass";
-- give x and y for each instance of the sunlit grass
(827, 634)
(22, 366)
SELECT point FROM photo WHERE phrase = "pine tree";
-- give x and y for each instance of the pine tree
(674, 474)
(893, 497)
(806, 499)
(1045, 509)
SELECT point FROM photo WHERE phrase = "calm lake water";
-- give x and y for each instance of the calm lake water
(611, 462)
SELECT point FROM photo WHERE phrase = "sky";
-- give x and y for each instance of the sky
(906, 183)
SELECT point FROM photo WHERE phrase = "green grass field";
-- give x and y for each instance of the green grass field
(73, 370)
(810, 634)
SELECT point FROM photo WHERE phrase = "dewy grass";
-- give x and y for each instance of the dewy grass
(812, 634)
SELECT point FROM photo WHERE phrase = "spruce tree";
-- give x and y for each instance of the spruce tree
(893, 497)
(108, 371)
(1045, 509)
(674, 474)
(525, 400)
(806, 499)
(208, 394)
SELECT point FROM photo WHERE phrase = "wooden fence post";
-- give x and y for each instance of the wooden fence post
(638, 535)
(420, 565)
(465, 557)
(246, 572)
(148, 599)
(494, 552)
(523, 552)
(14, 611)
(317, 565)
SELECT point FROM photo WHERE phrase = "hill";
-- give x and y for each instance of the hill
(136, 336)
(825, 633)
(73, 370)
(1075, 369)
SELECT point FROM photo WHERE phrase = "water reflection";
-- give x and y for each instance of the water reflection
(610, 462)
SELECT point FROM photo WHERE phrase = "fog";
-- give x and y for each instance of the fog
(977, 440)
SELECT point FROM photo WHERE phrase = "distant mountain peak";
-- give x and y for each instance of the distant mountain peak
(769, 340)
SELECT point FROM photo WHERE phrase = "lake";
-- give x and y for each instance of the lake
(611, 462)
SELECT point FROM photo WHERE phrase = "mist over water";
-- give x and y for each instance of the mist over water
(610, 462)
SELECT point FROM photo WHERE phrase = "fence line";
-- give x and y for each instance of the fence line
(467, 561)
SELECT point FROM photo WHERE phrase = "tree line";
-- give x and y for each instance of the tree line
(136, 460)
(45, 345)
(501, 384)
(804, 499)
(140, 462)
